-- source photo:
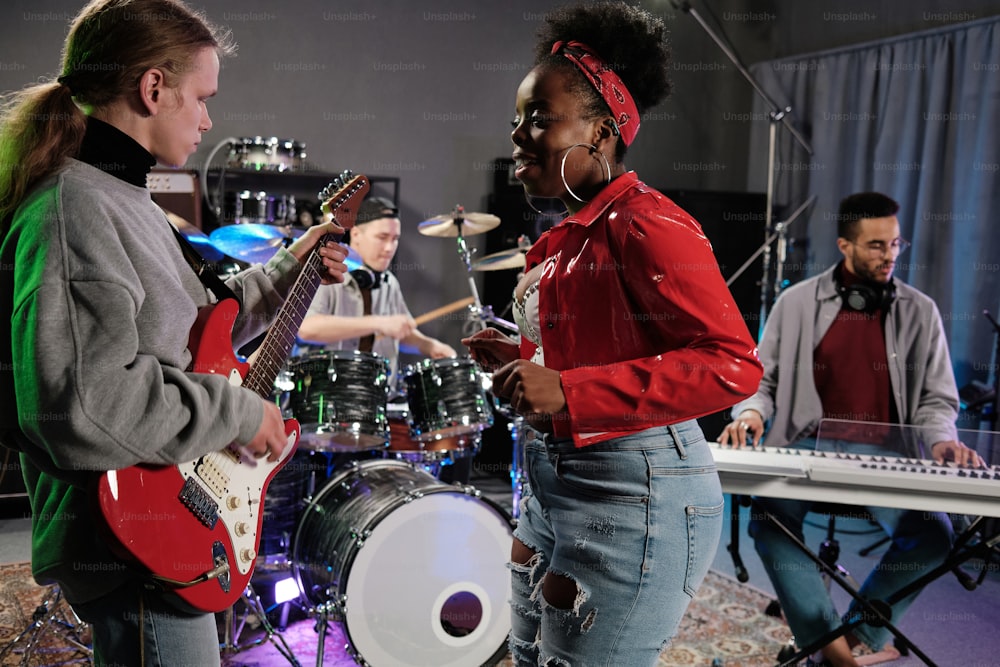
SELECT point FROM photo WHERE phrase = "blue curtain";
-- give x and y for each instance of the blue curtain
(915, 117)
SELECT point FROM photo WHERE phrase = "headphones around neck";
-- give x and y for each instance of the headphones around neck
(865, 296)
(367, 278)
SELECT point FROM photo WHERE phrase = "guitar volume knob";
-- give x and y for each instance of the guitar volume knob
(247, 554)
(241, 528)
(233, 502)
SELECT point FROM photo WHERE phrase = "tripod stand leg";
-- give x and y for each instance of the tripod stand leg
(254, 605)
(49, 617)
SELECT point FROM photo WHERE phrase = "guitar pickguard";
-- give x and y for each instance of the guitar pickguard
(235, 496)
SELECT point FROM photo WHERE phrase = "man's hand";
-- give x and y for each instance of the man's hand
(958, 453)
(748, 424)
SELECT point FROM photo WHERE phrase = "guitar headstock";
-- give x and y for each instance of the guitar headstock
(342, 197)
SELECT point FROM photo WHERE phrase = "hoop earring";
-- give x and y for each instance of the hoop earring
(591, 149)
(527, 198)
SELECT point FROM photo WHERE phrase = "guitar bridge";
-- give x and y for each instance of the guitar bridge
(197, 500)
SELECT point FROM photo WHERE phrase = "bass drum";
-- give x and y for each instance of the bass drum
(416, 569)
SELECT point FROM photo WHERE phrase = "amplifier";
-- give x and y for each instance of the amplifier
(177, 191)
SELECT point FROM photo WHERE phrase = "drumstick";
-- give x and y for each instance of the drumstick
(443, 310)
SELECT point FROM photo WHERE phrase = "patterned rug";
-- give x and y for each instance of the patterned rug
(36, 626)
(725, 623)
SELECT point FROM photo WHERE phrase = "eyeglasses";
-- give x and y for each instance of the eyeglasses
(879, 249)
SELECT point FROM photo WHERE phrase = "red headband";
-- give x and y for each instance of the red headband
(607, 84)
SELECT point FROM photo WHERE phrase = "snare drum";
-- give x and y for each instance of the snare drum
(446, 398)
(339, 398)
(416, 569)
(407, 448)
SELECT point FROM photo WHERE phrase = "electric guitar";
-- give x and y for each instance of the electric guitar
(195, 527)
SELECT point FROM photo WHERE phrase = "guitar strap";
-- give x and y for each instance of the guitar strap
(203, 270)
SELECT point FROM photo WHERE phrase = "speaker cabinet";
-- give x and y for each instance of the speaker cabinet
(734, 224)
(177, 192)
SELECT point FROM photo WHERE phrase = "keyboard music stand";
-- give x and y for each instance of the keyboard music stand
(979, 539)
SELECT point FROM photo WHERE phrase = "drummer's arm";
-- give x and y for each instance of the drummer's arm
(429, 347)
(318, 328)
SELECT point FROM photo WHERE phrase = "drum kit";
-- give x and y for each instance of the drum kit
(414, 569)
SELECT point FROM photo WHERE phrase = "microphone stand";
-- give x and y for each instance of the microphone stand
(776, 115)
(988, 413)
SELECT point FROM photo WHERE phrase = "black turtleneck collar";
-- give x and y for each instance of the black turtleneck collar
(116, 153)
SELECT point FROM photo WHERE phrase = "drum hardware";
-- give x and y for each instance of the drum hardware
(460, 224)
(253, 605)
(518, 471)
(258, 207)
(454, 613)
(266, 154)
(52, 615)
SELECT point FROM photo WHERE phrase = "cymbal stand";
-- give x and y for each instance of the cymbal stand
(50, 615)
(483, 314)
(333, 607)
(253, 604)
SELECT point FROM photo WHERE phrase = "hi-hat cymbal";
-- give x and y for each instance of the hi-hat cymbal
(252, 242)
(196, 237)
(506, 259)
(448, 224)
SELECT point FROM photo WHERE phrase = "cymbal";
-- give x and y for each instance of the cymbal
(445, 225)
(506, 259)
(252, 242)
(196, 237)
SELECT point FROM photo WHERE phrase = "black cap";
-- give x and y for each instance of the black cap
(374, 208)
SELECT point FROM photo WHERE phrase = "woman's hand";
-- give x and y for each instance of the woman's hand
(534, 391)
(491, 349)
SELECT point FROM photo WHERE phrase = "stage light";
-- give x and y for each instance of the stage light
(285, 590)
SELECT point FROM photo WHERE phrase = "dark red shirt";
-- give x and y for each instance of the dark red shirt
(850, 366)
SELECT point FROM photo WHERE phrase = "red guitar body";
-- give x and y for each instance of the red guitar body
(202, 518)
(196, 526)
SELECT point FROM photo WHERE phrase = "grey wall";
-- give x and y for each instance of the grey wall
(424, 91)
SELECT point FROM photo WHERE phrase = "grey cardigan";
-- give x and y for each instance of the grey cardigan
(920, 372)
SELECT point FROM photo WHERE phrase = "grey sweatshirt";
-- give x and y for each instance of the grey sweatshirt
(103, 302)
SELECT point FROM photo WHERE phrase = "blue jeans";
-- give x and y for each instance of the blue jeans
(634, 522)
(920, 541)
(169, 637)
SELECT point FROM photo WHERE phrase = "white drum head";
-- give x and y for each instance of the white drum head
(430, 586)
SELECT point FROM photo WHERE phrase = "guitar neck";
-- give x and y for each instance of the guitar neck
(280, 338)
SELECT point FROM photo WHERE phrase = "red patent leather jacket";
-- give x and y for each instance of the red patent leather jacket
(636, 316)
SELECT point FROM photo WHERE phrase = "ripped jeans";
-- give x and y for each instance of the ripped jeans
(632, 524)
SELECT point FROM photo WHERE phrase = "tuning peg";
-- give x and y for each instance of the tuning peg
(347, 175)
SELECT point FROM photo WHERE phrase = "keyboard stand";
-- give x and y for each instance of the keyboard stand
(874, 612)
